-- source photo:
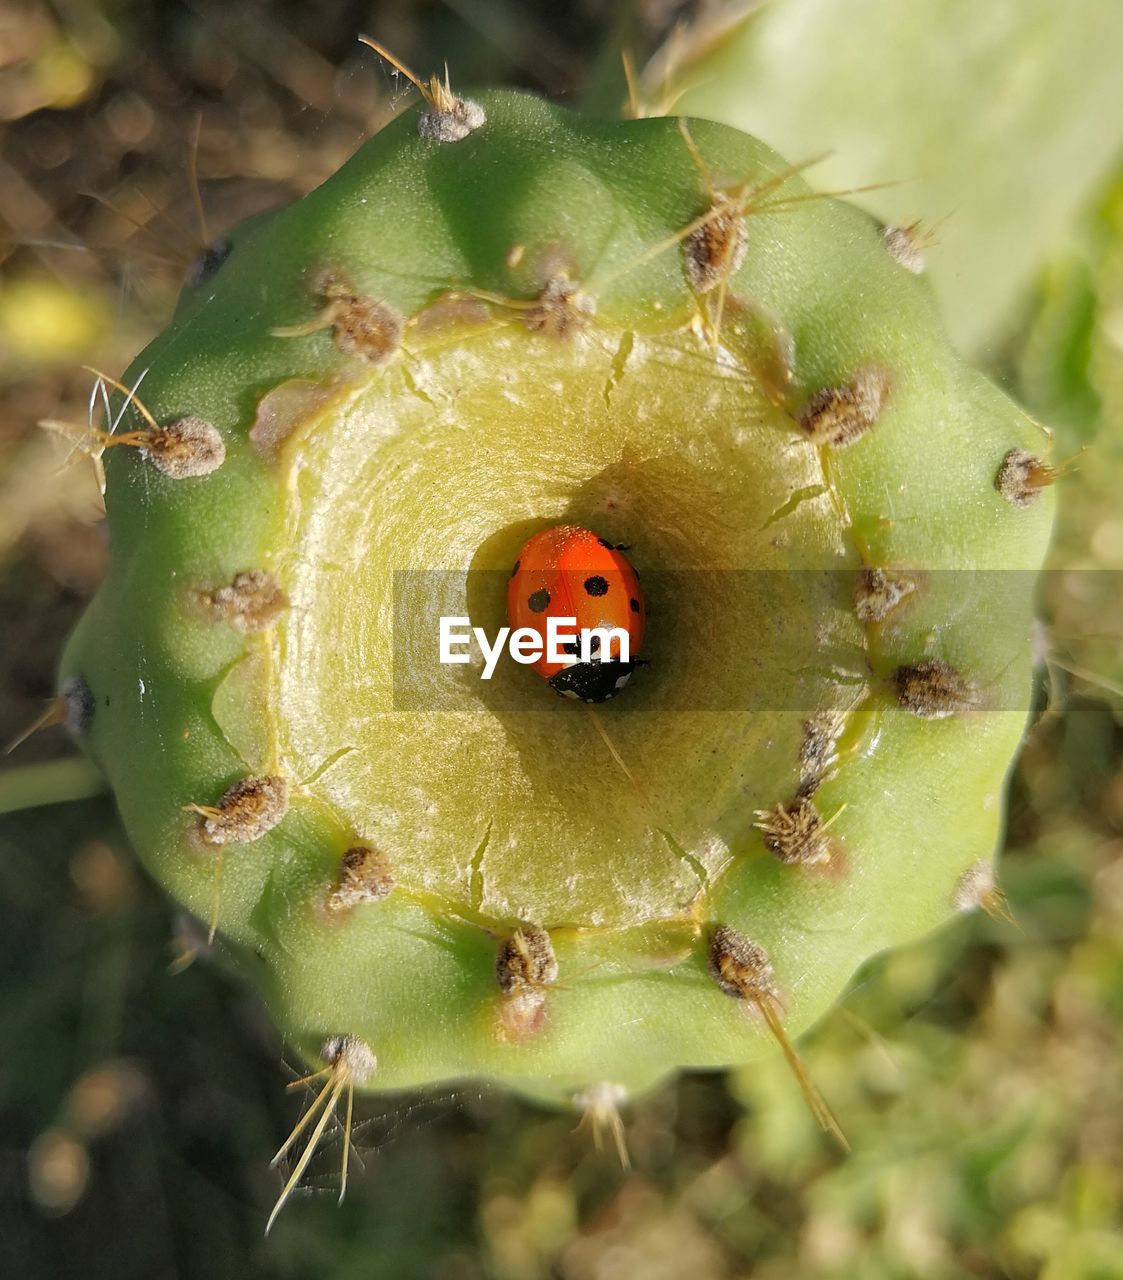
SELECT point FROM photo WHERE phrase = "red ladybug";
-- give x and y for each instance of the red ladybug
(570, 572)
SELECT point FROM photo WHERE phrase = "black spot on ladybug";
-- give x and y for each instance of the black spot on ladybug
(571, 647)
(633, 604)
(539, 601)
(515, 569)
(596, 585)
(594, 644)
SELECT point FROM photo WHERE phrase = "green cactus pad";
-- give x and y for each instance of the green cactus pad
(471, 333)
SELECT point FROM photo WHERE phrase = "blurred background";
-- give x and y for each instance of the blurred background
(979, 1076)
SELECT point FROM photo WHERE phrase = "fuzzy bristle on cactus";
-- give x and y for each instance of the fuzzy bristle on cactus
(499, 316)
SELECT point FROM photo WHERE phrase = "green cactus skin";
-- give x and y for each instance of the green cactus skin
(997, 122)
(447, 346)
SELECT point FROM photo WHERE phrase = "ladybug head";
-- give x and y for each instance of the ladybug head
(592, 681)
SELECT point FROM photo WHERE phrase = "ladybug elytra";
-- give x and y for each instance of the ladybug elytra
(570, 572)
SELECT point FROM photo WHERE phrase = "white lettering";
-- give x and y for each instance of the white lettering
(602, 652)
(559, 632)
(491, 653)
(526, 645)
(449, 637)
(563, 644)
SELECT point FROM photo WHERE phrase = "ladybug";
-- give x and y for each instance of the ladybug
(570, 572)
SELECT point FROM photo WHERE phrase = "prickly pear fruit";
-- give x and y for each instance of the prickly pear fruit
(499, 316)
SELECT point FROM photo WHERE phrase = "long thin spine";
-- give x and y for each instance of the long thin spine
(336, 1086)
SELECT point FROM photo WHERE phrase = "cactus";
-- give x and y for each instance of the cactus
(499, 316)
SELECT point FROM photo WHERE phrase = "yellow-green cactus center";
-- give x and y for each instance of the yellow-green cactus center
(404, 504)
